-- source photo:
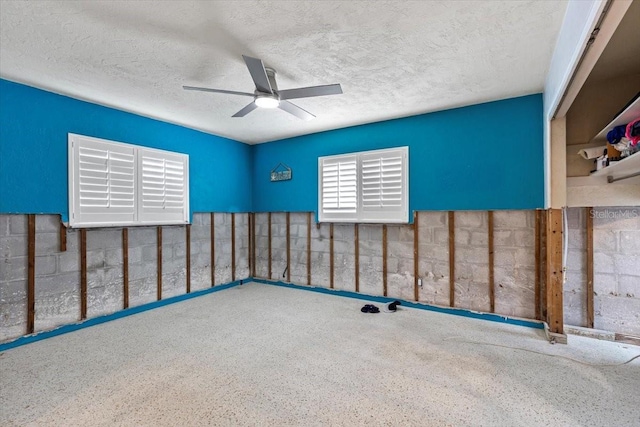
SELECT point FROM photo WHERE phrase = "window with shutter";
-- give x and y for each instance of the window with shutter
(111, 183)
(370, 186)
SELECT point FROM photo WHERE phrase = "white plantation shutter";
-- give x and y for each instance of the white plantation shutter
(370, 186)
(104, 190)
(384, 195)
(339, 190)
(112, 183)
(163, 184)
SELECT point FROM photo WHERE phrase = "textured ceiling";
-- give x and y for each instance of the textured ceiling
(393, 58)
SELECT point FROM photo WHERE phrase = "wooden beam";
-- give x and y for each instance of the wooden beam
(554, 271)
(288, 247)
(63, 237)
(492, 290)
(269, 221)
(250, 239)
(452, 260)
(213, 250)
(188, 237)
(543, 265)
(384, 260)
(159, 262)
(356, 239)
(537, 279)
(253, 245)
(125, 267)
(590, 294)
(309, 248)
(83, 273)
(31, 273)
(331, 255)
(416, 257)
(233, 247)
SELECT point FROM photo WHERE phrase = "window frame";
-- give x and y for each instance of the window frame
(362, 214)
(88, 217)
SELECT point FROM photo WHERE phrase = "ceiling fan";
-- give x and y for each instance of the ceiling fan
(267, 94)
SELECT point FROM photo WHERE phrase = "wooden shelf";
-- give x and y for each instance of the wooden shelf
(630, 113)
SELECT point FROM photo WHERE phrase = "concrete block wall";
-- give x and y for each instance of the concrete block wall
(616, 265)
(514, 263)
(57, 274)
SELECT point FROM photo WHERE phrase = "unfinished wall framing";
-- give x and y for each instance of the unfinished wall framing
(51, 275)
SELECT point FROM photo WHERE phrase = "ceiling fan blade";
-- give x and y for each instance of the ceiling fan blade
(307, 92)
(295, 110)
(204, 89)
(246, 110)
(258, 74)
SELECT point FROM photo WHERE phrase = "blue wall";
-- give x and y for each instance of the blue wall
(483, 157)
(33, 152)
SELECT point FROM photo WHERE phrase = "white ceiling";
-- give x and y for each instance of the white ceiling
(393, 58)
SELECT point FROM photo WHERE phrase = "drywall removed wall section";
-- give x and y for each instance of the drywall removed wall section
(616, 269)
(59, 274)
(386, 264)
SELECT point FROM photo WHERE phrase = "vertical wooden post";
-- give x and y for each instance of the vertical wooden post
(416, 257)
(492, 290)
(188, 237)
(288, 247)
(213, 250)
(233, 247)
(269, 220)
(356, 239)
(125, 267)
(31, 273)
(452, 260)
(159, 255)
(537, 280)
(253, 244)
(309, 248)
(384, 260)
(554, 271)
(83, 273)
(250, 242)
(63, 237)
(331, 255)
(590, 308)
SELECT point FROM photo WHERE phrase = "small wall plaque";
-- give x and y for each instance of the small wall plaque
(281, 172)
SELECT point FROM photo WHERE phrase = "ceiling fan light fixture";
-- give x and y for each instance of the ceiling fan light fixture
(267, 102)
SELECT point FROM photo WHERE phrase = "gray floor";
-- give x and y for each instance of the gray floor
(267, 355)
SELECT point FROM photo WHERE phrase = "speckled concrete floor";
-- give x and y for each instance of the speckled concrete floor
(266, 355)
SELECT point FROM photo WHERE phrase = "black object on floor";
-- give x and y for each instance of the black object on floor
(369, 308)
(392, 306)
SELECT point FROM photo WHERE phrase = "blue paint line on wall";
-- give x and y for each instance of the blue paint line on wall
(481, 157)
(33, 151)
(28, 339)
(455, 311)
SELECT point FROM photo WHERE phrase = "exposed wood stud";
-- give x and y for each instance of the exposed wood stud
(452, 260)
(250, 242)
(537, 281)
(309, 248)
(253, 244)
(269, 221)
(331, 255)
(492, 291)
(31, 273)
(188, 237)
(125, 267)
(590, 294)
(416, 257)
(288, 247)
(554, 271)
(384, 260)
(233, 247)
(63, 237)
(357, 255)
(543, 265)
(213, 250)
(83, 273)
(159, 250)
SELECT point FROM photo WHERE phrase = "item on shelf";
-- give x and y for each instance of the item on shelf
(601, 162)
(617, 133)
(612, 153)
(622, 145)
(633, 131)
(591, 153)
